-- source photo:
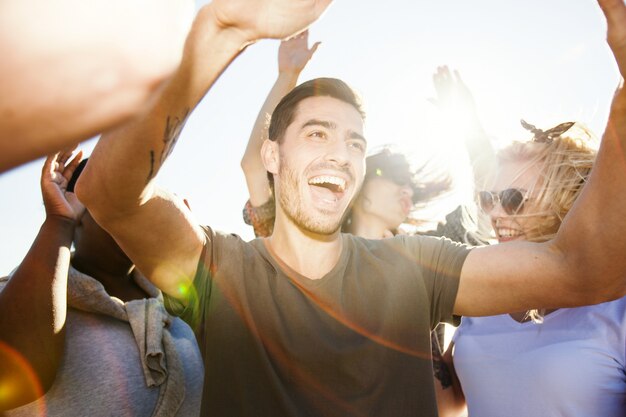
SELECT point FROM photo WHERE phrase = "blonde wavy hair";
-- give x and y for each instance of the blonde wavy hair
(566, 160)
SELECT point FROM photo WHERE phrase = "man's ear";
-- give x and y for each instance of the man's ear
(270, 157)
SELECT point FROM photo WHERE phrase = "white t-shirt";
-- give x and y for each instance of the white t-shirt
(573, 364)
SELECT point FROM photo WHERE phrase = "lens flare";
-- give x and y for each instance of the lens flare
(20, 381)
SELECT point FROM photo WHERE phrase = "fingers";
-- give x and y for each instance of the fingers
(442, 74)
(297, 43)
(457, 75)
(314, 48)
(56, 167)
(442, 79)
(65, 154)
(461, 86)
(437, 75)
(615, 13)
(294, 54)
(443, 71)
(48, 164)
(69, 169)
(452, 93)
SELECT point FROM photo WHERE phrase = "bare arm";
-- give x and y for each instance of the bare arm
(293, 55)
(154, 229)
(71, 69)
(585, 262)
(450, 397)
(33, 303)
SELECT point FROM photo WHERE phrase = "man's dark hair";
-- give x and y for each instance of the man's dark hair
(319, 87)
(286, 109)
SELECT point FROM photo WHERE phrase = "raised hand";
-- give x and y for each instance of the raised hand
(615, 13)
(258, 19)
(452, 93)
(55, 175)
(457, 103)
(294, 53)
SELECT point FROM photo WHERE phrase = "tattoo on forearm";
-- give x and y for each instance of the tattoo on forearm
(173, 127)
(151, 173)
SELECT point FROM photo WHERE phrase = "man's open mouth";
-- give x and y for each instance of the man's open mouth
(334, 184)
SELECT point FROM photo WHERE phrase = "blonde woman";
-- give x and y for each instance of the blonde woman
(564, 362)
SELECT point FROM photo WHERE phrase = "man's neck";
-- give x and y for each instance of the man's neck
(310, 255)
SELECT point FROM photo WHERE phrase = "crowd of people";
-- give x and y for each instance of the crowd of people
(125, 305)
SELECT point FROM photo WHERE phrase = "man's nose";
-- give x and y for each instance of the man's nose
(338, 152)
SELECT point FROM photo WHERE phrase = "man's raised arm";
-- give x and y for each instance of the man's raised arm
(293, 55)
(585, 263)
(153, 228)
(72, 69)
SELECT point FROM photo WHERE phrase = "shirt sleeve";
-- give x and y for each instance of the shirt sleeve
(200, 292)
(441, 263)
(261, 218)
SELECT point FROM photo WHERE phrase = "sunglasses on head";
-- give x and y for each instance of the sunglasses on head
(512, 200)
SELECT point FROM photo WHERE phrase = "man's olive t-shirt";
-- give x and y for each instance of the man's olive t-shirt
(354, 343)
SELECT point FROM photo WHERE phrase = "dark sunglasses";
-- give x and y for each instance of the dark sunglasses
(512, 200)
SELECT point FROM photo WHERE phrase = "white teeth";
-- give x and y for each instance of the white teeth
(327, 179)
(508, 233)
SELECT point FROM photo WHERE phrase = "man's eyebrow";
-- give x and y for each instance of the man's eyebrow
(322, 123)
(331, 125)
(354, 135)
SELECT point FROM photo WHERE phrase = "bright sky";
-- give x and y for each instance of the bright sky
(544, 61)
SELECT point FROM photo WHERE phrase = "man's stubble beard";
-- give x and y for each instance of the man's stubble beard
(291, 204)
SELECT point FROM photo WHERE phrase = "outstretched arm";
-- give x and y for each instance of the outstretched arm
(33, 303)
(154, 229)
(457, 103)
(71, 69)
(293, 55)
(585, 262)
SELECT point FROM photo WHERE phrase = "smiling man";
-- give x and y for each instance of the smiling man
(325, 131)
(310, 321)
